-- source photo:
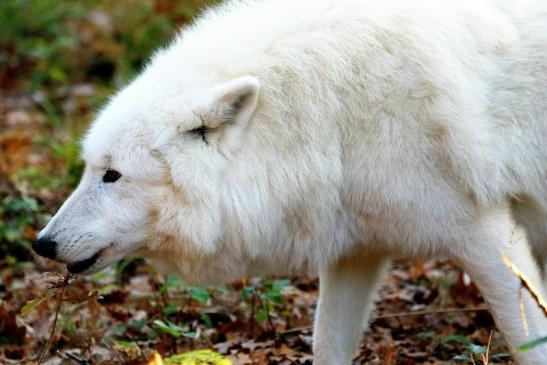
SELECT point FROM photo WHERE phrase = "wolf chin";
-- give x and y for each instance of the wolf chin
(331, 136)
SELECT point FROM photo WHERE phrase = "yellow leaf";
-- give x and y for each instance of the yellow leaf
(156, 359)
(199, 357)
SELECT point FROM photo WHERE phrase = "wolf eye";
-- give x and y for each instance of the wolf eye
(111, 176)
(201, 132)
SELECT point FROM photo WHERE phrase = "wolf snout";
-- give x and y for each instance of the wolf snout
(80, 266)
(46, 247)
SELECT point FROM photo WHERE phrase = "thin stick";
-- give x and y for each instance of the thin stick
(269, 319)
(59, 304)
(472, 357)
(522, 311)
(432, 311)
(486, 357)
(253, 311)
(405, 314)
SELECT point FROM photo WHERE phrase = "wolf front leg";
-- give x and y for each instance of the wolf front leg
(346, 297)
(480, 254)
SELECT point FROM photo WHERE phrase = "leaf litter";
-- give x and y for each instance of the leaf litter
(102, 320)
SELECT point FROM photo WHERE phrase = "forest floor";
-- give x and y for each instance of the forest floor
(427, 314)
(59, 62)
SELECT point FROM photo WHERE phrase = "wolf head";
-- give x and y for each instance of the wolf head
(153, 158)
(223, 158)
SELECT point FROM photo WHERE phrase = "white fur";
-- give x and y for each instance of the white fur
(367, 130)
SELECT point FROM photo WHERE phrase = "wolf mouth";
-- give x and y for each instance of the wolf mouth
(83, 265)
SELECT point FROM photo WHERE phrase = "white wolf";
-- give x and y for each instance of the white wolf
(281, 136)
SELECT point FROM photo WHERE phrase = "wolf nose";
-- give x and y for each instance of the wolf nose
(45, 246)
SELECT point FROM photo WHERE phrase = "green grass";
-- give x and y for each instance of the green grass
(53, 43)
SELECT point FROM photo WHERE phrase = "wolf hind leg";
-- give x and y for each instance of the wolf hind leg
(530, 215)
(480, 255)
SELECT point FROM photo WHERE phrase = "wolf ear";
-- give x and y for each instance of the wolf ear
(233, 102)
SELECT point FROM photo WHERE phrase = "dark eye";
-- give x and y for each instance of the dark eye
(111, 176)
(201, 132)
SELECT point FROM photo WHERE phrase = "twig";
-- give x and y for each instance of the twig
(472, 357)
(59, 304)
(296, 330)
(268, 318)
(79, 359)
(404, 314)
(526, 283)
(486, 357)
(432, 311)
(522, 311)
(253, 311)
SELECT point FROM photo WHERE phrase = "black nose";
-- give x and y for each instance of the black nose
(45, 246)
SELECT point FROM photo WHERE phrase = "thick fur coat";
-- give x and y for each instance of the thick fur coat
(284, 136)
